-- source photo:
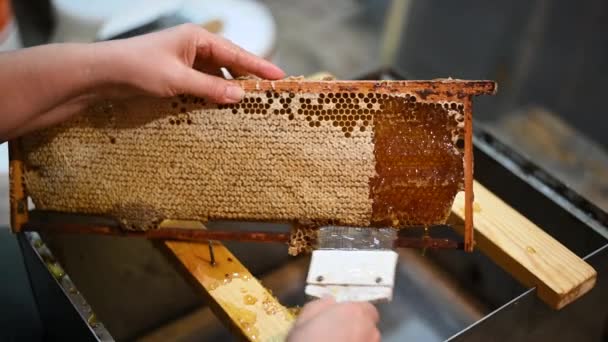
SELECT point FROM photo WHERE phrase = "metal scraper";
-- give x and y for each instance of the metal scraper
(353, 264)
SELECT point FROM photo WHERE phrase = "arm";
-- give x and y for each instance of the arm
(36, 80)
(44, 85)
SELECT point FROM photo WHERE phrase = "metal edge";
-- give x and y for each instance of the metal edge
(514, 301)
(63, 281)
(531, 174)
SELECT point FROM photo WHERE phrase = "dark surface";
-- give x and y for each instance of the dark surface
(19, 320)
(130, 284)
(35, 20)
(61, 320)
(526, 318)
(538, 208)
(552, 53)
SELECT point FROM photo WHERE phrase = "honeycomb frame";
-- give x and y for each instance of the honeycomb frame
(307, 152)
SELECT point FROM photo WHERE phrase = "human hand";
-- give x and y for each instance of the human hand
(182, 60)
(67, 78)
(326, 320)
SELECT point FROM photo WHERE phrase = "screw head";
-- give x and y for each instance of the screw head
(320, 278)
(378, 280)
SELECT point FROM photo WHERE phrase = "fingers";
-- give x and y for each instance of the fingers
(370, 311)
(314, 308)
(236, 73)
(330, 321)
(227, 54)
(365, 309)
(210, 69)
(216, 70)
(366, 317)
(213, 88)
(366, 331)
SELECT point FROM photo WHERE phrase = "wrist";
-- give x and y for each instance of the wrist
(106, 69)
(82, 72)
(100, 65)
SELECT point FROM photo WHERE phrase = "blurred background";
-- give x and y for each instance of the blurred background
(549, 57)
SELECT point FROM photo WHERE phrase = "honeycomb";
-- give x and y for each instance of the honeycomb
(316, 153)
(301, 240)
(418, 161)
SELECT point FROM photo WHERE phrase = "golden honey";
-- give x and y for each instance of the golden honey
(309, 153)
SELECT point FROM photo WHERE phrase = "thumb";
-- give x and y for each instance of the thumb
(213, 88)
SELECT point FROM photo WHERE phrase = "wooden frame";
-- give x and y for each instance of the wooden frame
(442, 90)
(195, 257)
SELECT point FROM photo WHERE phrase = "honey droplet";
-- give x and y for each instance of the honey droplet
(295, 311)
(530, 250)
(270, 306)
(249, 300)
(56, 270)
(246, 319)
(38, 243)
(92, 320)
(476, 207)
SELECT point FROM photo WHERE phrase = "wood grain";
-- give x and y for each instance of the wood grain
(17, 191)
(469, 240)
(235, 296)
(526, 251)
(432, 90)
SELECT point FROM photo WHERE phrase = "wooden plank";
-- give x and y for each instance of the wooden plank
(201, 325)
(526, 251)
(235, 296)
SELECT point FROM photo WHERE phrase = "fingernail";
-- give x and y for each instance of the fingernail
(234, 93)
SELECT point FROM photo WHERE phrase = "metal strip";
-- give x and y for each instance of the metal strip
(530, 175)
(61, 322)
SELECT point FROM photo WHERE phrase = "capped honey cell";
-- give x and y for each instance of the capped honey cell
(346, 153)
